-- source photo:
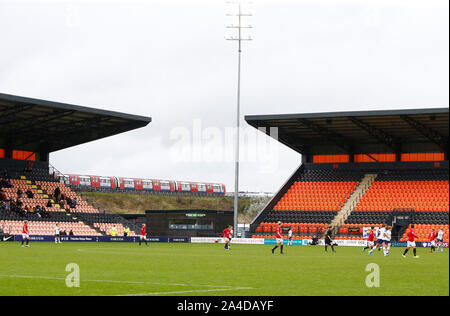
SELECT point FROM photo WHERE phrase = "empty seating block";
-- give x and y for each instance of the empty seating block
(415, 195)
(316, 196)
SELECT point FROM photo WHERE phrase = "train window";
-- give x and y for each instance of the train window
(147, 184)
(185, 185)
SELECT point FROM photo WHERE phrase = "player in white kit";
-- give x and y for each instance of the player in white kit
(380, 239)
(387, 241)
(57, 235)
(440, 240)
(290, 237)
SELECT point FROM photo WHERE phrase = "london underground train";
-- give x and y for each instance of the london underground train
(119, 183)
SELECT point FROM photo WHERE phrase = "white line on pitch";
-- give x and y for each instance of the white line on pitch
(191, 291)
(114, 281)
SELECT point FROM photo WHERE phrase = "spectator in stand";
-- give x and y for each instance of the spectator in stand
(29, 194)
(71, 233)
(16, 206)
(5, 183)
(37, 210)
(75, 202)
(57, 194)
(68, 200)
(44, 213)
(3, 196)
(19, 193)
(4, 205)
(8, 184)
(49, 203)
(61, 204)
(19, 203)
(126, 231)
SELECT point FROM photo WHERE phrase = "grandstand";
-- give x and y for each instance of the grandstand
(30, 130)
(361, 169)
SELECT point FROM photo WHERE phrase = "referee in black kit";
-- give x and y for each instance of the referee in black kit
(328, 240)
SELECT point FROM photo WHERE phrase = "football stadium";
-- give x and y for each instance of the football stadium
(360, 172)
(134, 164)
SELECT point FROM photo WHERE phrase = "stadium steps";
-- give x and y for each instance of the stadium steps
(352, 201)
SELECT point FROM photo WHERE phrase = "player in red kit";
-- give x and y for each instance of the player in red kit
(279, 239)
(226, 234)
(143, 235)
(433, 240)
(25, 234)
(370, 239)
(411, 242)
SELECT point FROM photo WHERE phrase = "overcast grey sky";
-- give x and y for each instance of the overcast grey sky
(169, 60)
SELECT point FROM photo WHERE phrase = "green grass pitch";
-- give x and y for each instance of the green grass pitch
(207, 269)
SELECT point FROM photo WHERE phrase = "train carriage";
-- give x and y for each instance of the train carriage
(167, 186)
(184, 186)
(156, 185)
(107, 183)
(138, 184)
(147, 185)
(209, 188)
(202, 188)
(95, 182)
(194, 187)
(217, 189)
(126, 184)
(98, 182)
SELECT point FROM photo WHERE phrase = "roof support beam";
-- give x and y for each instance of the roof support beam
(61, 130)
(428, 132)
(377, 133)
(297, 143)
(292, 142)
(27, 124)
(337, 139)
(17, 109)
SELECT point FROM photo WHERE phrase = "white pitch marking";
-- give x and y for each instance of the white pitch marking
(191, 291)
(114, 281)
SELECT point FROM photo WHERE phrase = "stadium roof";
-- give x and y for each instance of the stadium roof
(393, 131)
(45, 126)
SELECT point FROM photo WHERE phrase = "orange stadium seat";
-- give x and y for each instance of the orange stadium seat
(416, 195)
(316, 196)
